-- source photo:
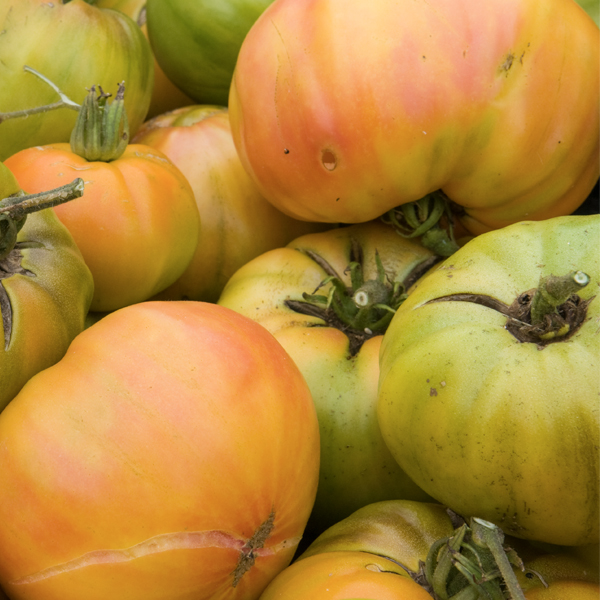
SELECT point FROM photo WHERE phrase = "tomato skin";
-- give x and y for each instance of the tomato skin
(401, 530)
(131, 446)
(566, 590)
(75, 45)
(165, 94)
(196, 43)
(363, 108)
(49, 301)
(137, 224)
(342, 575)
(356, 467)
(488, 425)
(238, 224)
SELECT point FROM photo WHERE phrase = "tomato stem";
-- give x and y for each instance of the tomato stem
(553, 291)
(14, 210)
(64, 102)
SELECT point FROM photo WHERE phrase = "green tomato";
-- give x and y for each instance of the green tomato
(401, 530)
(592, 8)
(488, 421)
(74, 45)
(196, 42)
(339, 361)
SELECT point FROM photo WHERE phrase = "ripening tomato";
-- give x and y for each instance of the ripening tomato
(172, 453)
(342, 110)
(341, 575)
(137, 223)
(238, 224)
(328, 297)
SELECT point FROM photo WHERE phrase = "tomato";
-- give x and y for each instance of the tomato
(172, 453)
(401, 530)
(592, 8)
(137, 224)
(341, 575)
(547, 569)
(339, 360)
(75, 45)
(566, 590)
(342, 110)
(238, 224)
(492, 413)
(165, 94)
(45, 292)
(196, 43)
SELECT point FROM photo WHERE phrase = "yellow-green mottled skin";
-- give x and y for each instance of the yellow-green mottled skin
(75, 45)
(486, 424)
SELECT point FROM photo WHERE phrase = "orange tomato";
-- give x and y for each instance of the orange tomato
(137, 223)
(172, 453)
(342, 575)
(238, 224)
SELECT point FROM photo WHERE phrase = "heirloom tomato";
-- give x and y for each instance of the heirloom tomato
(172, 453)
(238, 224)
(342, 575)
(165, 94)
(196, 42)
(327, 298)
(401, 530)
(74, 44)
(45, 287)
(489, 378)
(137, 224)
(342, 110)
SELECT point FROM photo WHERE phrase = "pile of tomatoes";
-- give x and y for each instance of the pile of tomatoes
(299, 300)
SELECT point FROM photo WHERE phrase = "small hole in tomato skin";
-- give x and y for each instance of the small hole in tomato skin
(328, 159)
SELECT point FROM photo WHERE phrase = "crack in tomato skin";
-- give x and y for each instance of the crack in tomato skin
(154, 545)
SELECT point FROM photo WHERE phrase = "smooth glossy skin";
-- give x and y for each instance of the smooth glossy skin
(490, 426)
(75, 45)
(49, 301)
(342, 111)
(342, 575)
(356, 466)
(238, 224)
(196, 42)
(137, 223)
(147, 459)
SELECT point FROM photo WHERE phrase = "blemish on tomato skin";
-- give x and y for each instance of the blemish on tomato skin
(249, 550)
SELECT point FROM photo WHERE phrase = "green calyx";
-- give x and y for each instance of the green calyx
(472, 564)
(363, 309)
(422, 219)
(15, 208)
(101, 132)
(364, 306)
